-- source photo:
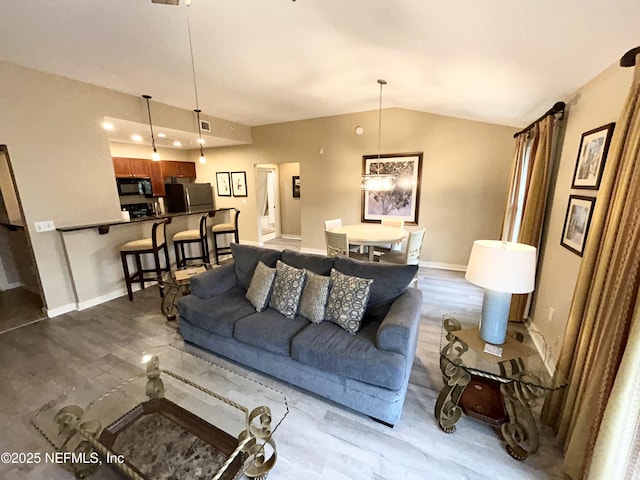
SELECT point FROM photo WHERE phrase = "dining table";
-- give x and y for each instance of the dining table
(370, 235)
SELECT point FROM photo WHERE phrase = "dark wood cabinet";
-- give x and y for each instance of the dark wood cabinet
(130, 167)
(178, 169)
(157, 179)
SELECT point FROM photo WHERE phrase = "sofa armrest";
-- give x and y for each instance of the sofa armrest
(214, 282)
(399, 329)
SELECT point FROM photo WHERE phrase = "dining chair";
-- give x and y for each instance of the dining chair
(408, 256)
(390, 222)
(336, 223)
(338, 246)
(331, 224)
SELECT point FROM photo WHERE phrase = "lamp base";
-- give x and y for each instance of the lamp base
(495, 316)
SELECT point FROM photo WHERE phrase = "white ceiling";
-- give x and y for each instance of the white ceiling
(267, 61)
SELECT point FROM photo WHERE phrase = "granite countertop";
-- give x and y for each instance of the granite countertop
(103, 227)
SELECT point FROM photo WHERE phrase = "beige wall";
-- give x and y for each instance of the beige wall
(128, 150)
(464, 174)
(51, 126)
(290, 207)
(593, 105)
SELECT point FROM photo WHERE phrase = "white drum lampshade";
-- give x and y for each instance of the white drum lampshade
(501, 268)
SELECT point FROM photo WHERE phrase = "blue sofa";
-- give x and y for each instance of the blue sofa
(368, 372)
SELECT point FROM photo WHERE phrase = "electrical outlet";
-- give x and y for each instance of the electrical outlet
(551, 313)
(45, 226)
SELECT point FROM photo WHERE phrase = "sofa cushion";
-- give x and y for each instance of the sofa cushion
(329, 348)
(313, 302)
(389, 282)
(216, 314)
(347, 300)
(246, 258)
(287, 288)
(269, 330)
(260, 287)
(315, 263)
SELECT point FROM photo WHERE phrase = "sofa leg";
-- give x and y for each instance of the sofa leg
(390, 425)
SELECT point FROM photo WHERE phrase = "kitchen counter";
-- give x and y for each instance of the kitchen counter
(103, 227)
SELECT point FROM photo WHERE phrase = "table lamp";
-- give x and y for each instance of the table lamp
(501, 268)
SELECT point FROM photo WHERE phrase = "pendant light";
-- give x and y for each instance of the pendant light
(155, 156)
(195, 89)
(378, 182)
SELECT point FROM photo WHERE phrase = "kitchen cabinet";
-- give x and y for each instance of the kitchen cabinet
(178, 169)
(131, 167)
(157, 179)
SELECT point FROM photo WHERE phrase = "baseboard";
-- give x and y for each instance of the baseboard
(291, 237)
(313, 250)
(250, 242)
(11, 286)
(444, 266)
(54, 312)
(92, 302)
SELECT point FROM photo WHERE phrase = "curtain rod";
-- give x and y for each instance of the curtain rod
(629, 58)
(558, 107)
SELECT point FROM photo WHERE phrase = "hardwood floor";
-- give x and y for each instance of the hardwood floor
(318, 440)
(18, 307)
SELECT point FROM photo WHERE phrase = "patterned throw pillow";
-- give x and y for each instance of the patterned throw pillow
(347, 300)
(260, 286)
(313, 302)
(287, 289)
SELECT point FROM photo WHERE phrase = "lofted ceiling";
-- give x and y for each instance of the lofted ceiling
(268, 61)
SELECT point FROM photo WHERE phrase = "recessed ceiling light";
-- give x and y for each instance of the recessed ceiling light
(177, 144)
(136, 138)
(161, 135)
(201, 141)
(107, 125)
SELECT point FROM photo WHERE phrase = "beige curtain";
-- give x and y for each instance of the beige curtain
(524, 225)
(604, 300)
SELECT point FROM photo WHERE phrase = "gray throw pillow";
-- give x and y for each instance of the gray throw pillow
(287, 289)
(313, 302)
(260, 286)
(347, 300)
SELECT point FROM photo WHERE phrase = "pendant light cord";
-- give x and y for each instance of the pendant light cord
(193, 65)
(153, 140)
(381, 82)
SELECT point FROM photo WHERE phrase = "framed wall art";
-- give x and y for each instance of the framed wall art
(295, 185)
(223, 184)
(576, 223)
(239, 184)
(594, 146)
(404, 200)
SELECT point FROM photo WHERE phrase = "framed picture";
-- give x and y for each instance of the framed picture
(295, 185)
(404, 200)
(239, 184)
(223, 184)
(576, 223)
(592, 154)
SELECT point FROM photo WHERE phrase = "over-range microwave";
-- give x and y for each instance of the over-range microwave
(134, 186)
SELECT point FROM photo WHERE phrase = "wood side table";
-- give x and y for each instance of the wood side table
(500, 391)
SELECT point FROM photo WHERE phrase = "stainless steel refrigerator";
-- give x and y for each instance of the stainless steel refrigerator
(185, 197)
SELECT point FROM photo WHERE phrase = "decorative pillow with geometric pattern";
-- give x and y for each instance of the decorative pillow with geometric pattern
(287, 289)
(347, 300)
(313, 302)
(260, 286)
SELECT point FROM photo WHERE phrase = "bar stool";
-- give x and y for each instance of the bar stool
(192, 236)
(223, 229)
(137, 248)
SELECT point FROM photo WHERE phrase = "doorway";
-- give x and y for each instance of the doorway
(267, 195)
(20, 292)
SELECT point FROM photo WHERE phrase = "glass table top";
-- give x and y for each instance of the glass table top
(460, 344)
(137, 410)
(182, 276)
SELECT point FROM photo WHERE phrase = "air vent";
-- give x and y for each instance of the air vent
(205, 126)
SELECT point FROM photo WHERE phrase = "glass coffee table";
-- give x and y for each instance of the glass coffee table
(498, 390)
(166, 413)
(175, 283)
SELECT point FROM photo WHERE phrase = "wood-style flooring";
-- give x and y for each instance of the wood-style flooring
(18, 307)
(318, 440)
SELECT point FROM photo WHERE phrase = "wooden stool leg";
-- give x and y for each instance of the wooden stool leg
(205, 245)
(215, 247)
(140, 272)
(175, 247)
(184, 255)
(156, 259)
(127, 278)
(167, 265)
